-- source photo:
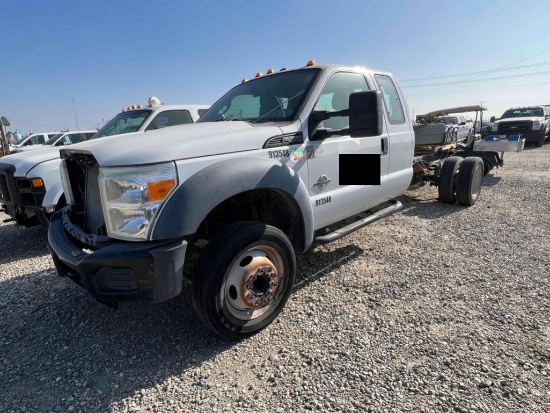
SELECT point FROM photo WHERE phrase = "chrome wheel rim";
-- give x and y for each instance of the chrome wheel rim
(254, 283)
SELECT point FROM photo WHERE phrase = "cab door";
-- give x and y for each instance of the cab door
(332, 199)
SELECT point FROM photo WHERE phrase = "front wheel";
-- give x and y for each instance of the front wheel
(540, 142)
(244, 279)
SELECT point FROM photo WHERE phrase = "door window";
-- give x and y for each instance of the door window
(335, 97)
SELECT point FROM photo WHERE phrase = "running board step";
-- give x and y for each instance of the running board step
(339, 233)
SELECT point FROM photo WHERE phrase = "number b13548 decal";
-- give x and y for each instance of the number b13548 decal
(279, 153)
(323, 201)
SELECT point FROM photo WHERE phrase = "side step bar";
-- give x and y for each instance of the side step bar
(339, 233)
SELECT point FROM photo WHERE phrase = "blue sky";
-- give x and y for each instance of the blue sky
(108, 55)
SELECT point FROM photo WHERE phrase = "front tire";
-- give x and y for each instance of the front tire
(540, 142)
(245, 276)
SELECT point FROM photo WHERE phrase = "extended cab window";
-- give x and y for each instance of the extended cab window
(170, 118)
(391, 99)
(335, 97)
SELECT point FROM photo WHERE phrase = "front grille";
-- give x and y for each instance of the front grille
(515, 127)
(4, 191)
(86, 212)
(8, 189)
(29, 196)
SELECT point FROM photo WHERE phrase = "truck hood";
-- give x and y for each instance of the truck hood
(25, 161)
(177, 142)
(28, 148)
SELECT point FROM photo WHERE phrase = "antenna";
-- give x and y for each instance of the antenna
(76, 120)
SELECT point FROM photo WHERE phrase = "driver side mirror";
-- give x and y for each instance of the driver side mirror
(492, 119)
(365, 114)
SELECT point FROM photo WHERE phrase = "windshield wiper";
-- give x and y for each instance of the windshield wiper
(236, 119)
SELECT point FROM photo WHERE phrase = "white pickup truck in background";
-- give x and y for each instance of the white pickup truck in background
(30, 184)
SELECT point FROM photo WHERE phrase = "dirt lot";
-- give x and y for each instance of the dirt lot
(437, 308)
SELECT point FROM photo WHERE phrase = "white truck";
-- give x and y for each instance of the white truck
(58, 139)
(30, 184)
(32, 139)
(531, 122)
(274, 161)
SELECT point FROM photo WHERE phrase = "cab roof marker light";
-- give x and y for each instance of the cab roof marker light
(154, 101)
(243, 81)
(269, 71)
(310, 63)
(259, 74)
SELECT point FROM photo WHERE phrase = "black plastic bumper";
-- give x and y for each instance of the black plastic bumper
(532, 136)
(121, 271)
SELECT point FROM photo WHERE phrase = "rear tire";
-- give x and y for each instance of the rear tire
(447, 178)
(244, 278)
(469, 179)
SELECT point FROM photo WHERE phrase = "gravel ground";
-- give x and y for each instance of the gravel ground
(437, 308)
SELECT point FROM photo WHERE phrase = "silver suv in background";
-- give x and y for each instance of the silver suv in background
(531, 122)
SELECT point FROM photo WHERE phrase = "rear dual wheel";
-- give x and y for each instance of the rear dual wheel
(460, 180)
(469, 179)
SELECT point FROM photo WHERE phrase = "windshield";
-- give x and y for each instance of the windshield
(272, 98)
(450, 119)
(124, 122)
(524, 112)
(52, 140)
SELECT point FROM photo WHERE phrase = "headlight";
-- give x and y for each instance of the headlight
(494, 127)
(131, 196)
(536, 125)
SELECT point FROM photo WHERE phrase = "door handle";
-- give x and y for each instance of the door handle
(384, 146)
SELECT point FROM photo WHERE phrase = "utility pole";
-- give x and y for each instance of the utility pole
(76, 120)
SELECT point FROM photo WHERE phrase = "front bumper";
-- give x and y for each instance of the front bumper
(531, 136)
(121, 271)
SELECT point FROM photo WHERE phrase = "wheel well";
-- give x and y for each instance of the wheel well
(271, 206)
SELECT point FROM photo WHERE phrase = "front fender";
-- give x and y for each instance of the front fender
(191, 202)
(49, 172)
